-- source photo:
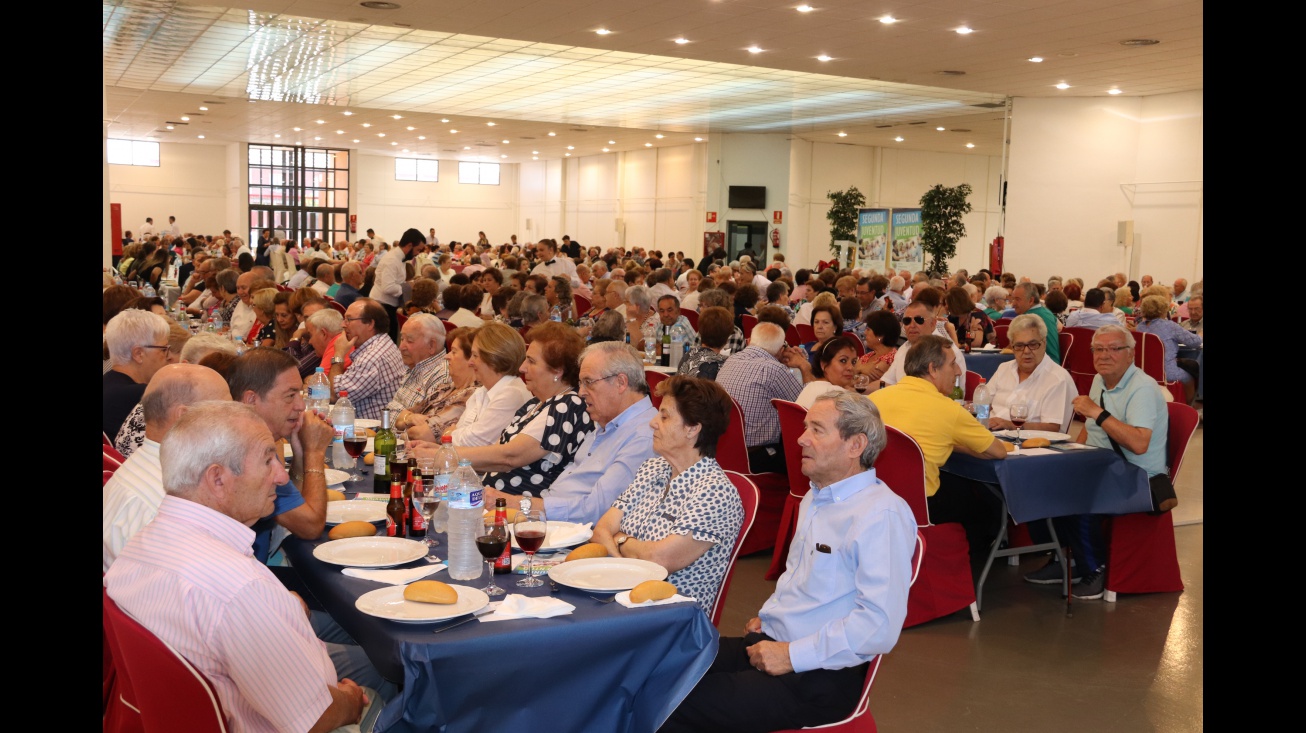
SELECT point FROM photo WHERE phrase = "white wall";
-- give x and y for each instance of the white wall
(740, 159)
(1078, 166)
(190, 183)
(456, 210)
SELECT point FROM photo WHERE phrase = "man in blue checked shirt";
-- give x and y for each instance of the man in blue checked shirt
(841, 601)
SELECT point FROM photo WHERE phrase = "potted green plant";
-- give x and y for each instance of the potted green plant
(843, 217)
(941, 226)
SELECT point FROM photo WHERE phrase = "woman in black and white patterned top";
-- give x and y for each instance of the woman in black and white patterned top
(546, 432)
(681, 511)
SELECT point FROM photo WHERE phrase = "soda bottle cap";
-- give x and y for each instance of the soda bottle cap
(446, 439)
(343, 392)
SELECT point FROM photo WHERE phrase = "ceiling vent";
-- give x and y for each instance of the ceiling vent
(1139, 42)
(950, 72)
(958, 129)
(990, 105)
(213, 101)
(170, 122)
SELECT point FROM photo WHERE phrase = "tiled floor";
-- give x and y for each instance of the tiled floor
(1134, 665)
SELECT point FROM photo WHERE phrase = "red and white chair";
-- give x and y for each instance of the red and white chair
(792, 415)
(1065, 341)
(732, 455)
(749, 497)
(1078, 360)
(1149, 348)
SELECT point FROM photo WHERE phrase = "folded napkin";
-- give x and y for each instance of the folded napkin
(519, 606)
(1034, 452)
(562, 535)
(396, 577)
(624, 599)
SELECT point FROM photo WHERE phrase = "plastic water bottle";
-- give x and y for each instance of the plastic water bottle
(555, 314)
(240, 344)
(983, 402)
(466, 507)
(217, 320)
(319, 392)
(342, 420)
(148, 291)
(678, 342)
(446, 463)
(650, 344)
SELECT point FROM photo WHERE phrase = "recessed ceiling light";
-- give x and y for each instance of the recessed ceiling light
(970, 145)
(503, 156)
(505, 142)
(365, 124)
(571, 147)
(698, 139)
(1063, 85)
(898, 139)
(170, 127)
(319, 137)
(355, 139)
(823, 57)
(940, 129)
(405, 150)
(535, 157)
(1113, 91)
(603, 31)
(348, 113)
(380, 134)
(1036, 59)
(296, 129)
(612, 142)
(754, 49)
(185, 119)
(804, 8)
(843, 134)
(659, 136)
(298, 142)
(489, 124)
(682, 40)
(566, 155)
(397, 117)
(410, 127)
(648, 145)
(202, 137)
(320, 122)
(535, 152)
(605, 150)
(964, 31)
(553, 134)
(443, 119)
(467, 147)
(340, 132)
(421, 137)
(277, 135)
(204, 109)
(888, 19)
(394, 143)
(454, 131)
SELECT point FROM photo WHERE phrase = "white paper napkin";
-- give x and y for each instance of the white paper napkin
(624, 599)
(565, 534)
(1033, 452)
(516, 605)
(395, 577)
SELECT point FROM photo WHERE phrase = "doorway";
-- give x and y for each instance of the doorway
(746, 237)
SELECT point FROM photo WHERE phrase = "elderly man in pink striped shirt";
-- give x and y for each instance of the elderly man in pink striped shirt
(191, 578)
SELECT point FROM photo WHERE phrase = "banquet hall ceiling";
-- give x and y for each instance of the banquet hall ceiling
(382, 81)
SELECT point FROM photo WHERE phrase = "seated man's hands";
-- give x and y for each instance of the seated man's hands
(771, 657)
(314, 434)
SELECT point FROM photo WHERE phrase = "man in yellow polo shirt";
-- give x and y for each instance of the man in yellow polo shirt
(919, 406)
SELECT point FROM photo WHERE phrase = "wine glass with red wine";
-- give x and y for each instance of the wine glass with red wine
(530, 529)
(490, 543)
(1019, 413)
(354, 445)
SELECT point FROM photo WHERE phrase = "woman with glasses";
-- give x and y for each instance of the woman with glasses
(1033, 379)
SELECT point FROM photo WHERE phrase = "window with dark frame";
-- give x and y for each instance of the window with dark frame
(298, 192)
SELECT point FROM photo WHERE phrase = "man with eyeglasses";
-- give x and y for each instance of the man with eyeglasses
(1024, 299)
(377, 368)
(1033, 379)
(918, 320)
(1124, 408)
(616, 394)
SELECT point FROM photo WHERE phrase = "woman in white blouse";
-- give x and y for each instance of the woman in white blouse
(832, 366)
(497, 354)
(1032, 378)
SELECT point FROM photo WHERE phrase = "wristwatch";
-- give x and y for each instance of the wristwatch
(621, 538)
(1101, 417)
(337, 360)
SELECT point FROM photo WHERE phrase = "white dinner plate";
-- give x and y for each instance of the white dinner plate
(562, 535)
(370, 552)
(389, 603)
(366, 423)
(335, 477)
(1026, 434)
(357, 510)
(606, 574)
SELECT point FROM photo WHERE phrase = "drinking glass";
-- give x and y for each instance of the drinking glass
(530, 529)
(1019, 412)
(426, 500)
(354, 445)
(861, 383)
(490, 543)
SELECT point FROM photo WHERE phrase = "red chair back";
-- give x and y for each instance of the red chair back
(1183, 423)
(973, 380)
(748, 495)
(1140, 354)
(731, 451)
(654, 379)
(400, 318)
(121, 714)
(855, 342)
(792, 337)
(1078, 360)
(111, 463)
(107, 442)
(805, 332)
(749, 322)
(449, 326)
(334, 305)
(792, 415)
(170, 693)
(901, 465)
(1065, 340)
(582, 304)
(1000, 335)
(692, 317)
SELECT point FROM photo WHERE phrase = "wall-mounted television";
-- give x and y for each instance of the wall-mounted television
(748, 197)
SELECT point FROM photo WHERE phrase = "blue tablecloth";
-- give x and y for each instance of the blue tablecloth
(1089, 481)
(603, 668)
(986, 364)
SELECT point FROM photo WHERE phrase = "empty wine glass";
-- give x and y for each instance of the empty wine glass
(1019, 413)
(530, 529)
(426, 499)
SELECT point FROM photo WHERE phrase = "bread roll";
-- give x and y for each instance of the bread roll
(1009, 446)
(589, 549)
(333, 495)
(1036, 443)
(369, 432)
(352, 529)
(652, 590)
(369, 459)
(430, 591)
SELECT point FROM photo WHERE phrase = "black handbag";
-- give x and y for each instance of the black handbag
(1163, 494)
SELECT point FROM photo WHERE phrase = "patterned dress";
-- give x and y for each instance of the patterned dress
(700, 502)
(561, 423)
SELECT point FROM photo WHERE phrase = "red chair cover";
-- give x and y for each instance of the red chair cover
(111, 463)
(792, 337)
(1149, 348)
(973, 380)
(748, 495)
(692, 317)
(1078, 360)
(791, 426)
(732, 455)
(1000, 335)
(1065, 341)
(805, 332)
(449, 326)
(121, 713)
(731, 451)
(654, 379)
(401, 318)
(336, 307)
(749, 322)
(582, 303)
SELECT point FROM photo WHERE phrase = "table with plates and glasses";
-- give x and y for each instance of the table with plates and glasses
(169, 290)
(985, 362)
(601, 667)
(1064, 479)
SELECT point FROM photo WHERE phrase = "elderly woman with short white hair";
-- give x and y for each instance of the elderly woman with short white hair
(138, 344)
(995, 301)
(1031, 378)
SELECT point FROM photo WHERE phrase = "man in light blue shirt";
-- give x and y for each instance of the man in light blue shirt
(616, 394)
(1097, 311)
(841, 602)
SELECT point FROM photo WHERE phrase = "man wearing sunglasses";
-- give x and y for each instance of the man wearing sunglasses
(917, 320)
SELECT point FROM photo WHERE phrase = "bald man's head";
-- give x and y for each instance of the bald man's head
(174, 388)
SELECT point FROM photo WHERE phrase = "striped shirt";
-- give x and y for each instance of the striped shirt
(427, 381)
(191, 579)
(131, 498)
(373, 377)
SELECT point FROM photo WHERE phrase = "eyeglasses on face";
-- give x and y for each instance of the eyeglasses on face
(354, 318)
(1095, 350)
(152, 346)
(589, 383)
(1027, 346)
(920, 320)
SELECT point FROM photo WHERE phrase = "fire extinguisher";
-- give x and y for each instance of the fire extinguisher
(775, 238)
(995, 255)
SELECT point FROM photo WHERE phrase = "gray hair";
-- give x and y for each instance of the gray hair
(202, 344)
(1115, 328)
(1030, 292)
(131, 328)
(1028, 322)
(767, 336)
(639, 295)
(430, 326)
(970, 289)
(896, 283)
(327, 319)
(621, 360)
(351, 267)
(1109, 294)
(534, 309)
(715, 297)
(995, 292)
(858, 415)
(610, 326)
(211, 432)
(928, 351)
(227, 279)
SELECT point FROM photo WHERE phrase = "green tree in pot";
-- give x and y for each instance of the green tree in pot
(843, 216)
(942, 209)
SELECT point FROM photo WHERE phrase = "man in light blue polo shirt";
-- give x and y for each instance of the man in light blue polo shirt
(840, 602)
(616, 395)
(1126, 406)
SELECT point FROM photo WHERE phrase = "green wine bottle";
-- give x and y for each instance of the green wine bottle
(958, 394)
(383, 446)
